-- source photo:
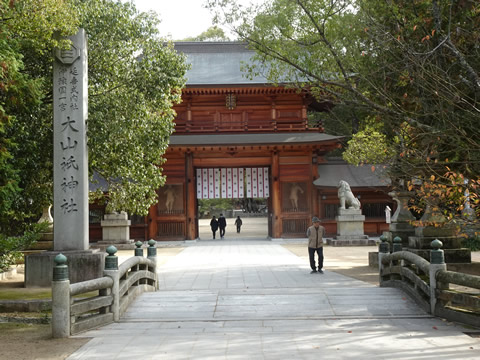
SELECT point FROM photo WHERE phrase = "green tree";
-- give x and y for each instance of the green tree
(135, 78)
(410, 69)
(213, 33)
(26, 43)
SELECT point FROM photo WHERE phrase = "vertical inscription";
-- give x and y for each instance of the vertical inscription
(70, 149)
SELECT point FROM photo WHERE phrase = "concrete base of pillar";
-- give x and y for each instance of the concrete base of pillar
(116, 242)
(102, 245)
(82, 265)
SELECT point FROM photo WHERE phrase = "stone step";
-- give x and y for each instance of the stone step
(42, 245)
(449, 242)
(351, 241)
(472, 268)
(451, 255)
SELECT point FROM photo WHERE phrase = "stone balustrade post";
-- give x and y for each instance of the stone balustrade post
(152, 250)
(437, 263)
(138, 249)
(60, 298)
(383, 250)
(111, 270)
(397, 244)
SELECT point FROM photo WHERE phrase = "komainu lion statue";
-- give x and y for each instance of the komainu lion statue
(346, 196)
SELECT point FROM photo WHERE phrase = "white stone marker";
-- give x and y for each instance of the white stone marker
(388, 213)
(70, 156)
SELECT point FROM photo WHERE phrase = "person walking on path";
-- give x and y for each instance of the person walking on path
(222, 224)
(315, 235)
(214, 226)
(238, 224)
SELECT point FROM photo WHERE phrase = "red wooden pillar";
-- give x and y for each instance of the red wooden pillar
(276, 197)
(190, 228)
(152, 223)
(315, 203)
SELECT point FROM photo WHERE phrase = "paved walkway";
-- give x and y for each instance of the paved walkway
(256, 300)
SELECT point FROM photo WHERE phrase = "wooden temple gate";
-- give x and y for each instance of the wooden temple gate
(242, 128)
(226, 121)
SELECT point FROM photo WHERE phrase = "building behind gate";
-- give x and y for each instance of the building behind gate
(242, 138)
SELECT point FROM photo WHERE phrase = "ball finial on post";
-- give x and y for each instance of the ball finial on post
(437, 255)
(397, 244)
(152, 250)
(60, 270)
(138, 248)
(384, 246)
(111, 261)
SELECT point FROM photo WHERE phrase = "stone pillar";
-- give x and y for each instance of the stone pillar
(116, 229)
(111, 270)
(383, 250)
(70, 172)
(70, 161)
(437, 263)
(60, 298)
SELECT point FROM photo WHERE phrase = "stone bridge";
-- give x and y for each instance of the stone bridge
(256, 300)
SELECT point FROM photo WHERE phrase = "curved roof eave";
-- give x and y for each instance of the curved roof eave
(252, 139)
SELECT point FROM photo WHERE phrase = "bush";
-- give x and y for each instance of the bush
(472, 243)
(11, 247)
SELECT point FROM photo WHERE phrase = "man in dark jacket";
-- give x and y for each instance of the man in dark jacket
(238, 224)
(222, 224)
(214, 226)
(315, 235)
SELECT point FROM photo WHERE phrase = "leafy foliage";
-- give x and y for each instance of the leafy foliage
(134, 80)
(210, 207)
(472, 243)
(368, 147)
(26, 44)
(11, 247)
(213, 33)
(408, 69)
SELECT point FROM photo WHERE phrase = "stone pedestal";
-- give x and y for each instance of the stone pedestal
(116, 229)
(350, 230)
(420, 244)
(452, 245)
(401, 220)
(452, 256)
(83, 265)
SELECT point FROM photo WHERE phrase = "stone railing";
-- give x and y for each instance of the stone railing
(451, 295)
(89, 304)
